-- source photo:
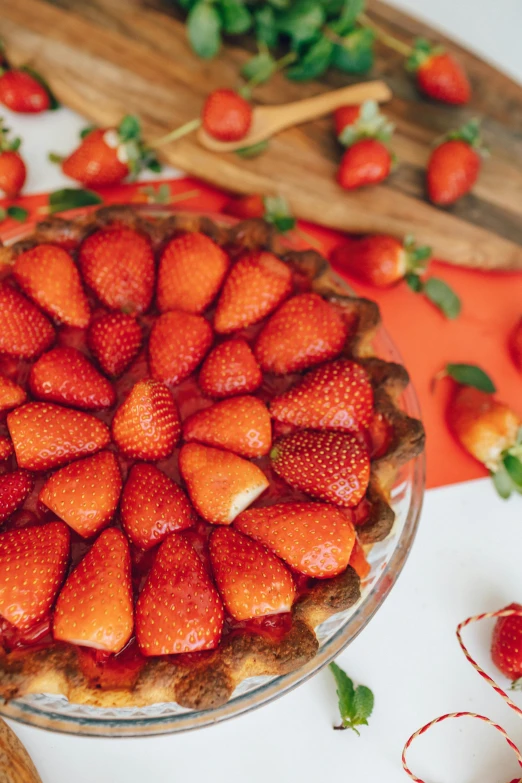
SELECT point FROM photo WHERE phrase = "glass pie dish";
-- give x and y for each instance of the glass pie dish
(386, 559)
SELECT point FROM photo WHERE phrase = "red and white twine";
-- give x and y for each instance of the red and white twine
(489, 680)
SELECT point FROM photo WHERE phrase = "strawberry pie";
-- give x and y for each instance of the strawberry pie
(197, 449)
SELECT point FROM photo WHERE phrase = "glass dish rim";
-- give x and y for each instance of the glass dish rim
(275, 687)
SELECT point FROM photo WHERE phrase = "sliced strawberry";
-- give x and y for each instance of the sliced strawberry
(14, 488)
(86, 493)
(331, 466)
(95, 163)
(230, 368)
(25, 332)
(220, 484)
(179, 609)
(66, 376)
(94, 608)
(48, 275)
(192, 268)
(241, 424)
(338, 396)
(178, 342)
(358, 561)
(118, 264)
(506, 645)
(153, 506)
(11, 394)
(6, 448)
(46, 436)
(146, 426)
(305, 331)
(252, 581)
(226, 115)
(33, 561)
(115, 340)
(315, 539)
(257, 284)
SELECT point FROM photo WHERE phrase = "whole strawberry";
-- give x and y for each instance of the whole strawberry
(367, 161)
(515, 345)
(454, 165)
(438, 74)
(12, 167)
(226, 115)
(380, 260)
(506, 646)
(24, 92)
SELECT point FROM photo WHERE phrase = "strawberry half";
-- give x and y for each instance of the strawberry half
(506, 646)
(46, 436)
(25, 332)
(118, 264)
(305, 331)
(14, 488)
(256, 285)
(313, 538)
(252, 581)
(331, 466)
(178, 342)
(48, 275)
(230, 368)
(454, 165)
(11, 394)
(191, 270)
(179, 609)
(6, 448)
(22, 93)
(226, 115)
(78, 496)
(146, 426)
(438, 74)
(115, 340)
(220, 484)
(153, 506)
(33, 561)
(94, 608)
(338, 396)
(241, 424)
(66, 376)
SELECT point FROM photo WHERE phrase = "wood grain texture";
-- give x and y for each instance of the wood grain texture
(15, 763)
(105, 58)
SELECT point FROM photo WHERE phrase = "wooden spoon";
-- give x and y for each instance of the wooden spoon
(15, 763)
(269, 120)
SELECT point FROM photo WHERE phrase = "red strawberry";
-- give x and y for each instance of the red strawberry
(230, 368)
(46, 436)
(358, 561)
(337, 396)
(515, 344)
(178, 342)
(118, 264)
(506, 646)
(331, 466)
(11, 395)
(252, 581)
(245, 207)
(257, 284)
(179, 609)
(153, 506)
(305, 331)
(12, 172)
(438, 74)
(94, 608)
(6, 448)
(454, 165)
(313, 538)
(115, 340)
(146, 426)
(22, 93)
(367, 162)
(192, 268)
(241, 424)
(14, 488)
(48, 275)
(24, 331)
(66, 376)
(96, 161)
(226, 115)
(344, 117)
(220, 484)
(380, 260)
(78, 496)
(33, 561)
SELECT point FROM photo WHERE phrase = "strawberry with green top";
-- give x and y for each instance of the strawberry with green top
(23, 91)
(226, 115)
(345, 117)
(12, 167)
(240, 424)
(438, 74)
(367, 160)
(454, 165)
(273, 209)
(230, 368)
(64, 375)
(381, 260)
(14, 488)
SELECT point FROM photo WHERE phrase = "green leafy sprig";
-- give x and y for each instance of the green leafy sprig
(355, 703)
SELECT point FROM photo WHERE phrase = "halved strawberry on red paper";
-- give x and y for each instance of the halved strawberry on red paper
(14, 488)
(115, 340)
(230, 368)
(177, 345)
(64, 375)
(25, 332)
(240, 424)
(146, 426)
(11, 394)
(37, 556)
(94, 607)
(179, 609)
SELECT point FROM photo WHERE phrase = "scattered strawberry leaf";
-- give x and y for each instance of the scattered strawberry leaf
(17, 213)
(204, 29)
(278, 213)
(471, 375)
(442, 296)
(235, 16)
(355, 704)
(88, 129)
(314, 62)
(414, 282)
(254, 150)
(72, 198)
(353, 53)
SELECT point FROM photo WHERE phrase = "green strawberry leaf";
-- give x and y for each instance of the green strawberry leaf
(72, 198)
(345, 692)
(85, 131)
(471, 375)
(502, 482)
(129, 128)
(254, 150)
(187, 4)
(363, 702)
(53, 102)
(314, 63)
(266, 26)
(414, 282)
(355, 54)
(513, 466)
(355, 704)
(422, 49)
(371, 124)
(347, 16)
(204, 29)
(278, 213)
(260, 68)
(302, 21)
(280, 4)
(18, 213)
(441, 295)
(235, 16)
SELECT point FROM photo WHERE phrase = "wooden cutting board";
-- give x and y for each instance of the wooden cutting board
(105, 58)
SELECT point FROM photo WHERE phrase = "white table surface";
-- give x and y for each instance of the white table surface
(466, 560)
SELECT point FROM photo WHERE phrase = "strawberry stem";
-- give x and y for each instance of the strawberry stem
(176, 134)
(385, 38)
